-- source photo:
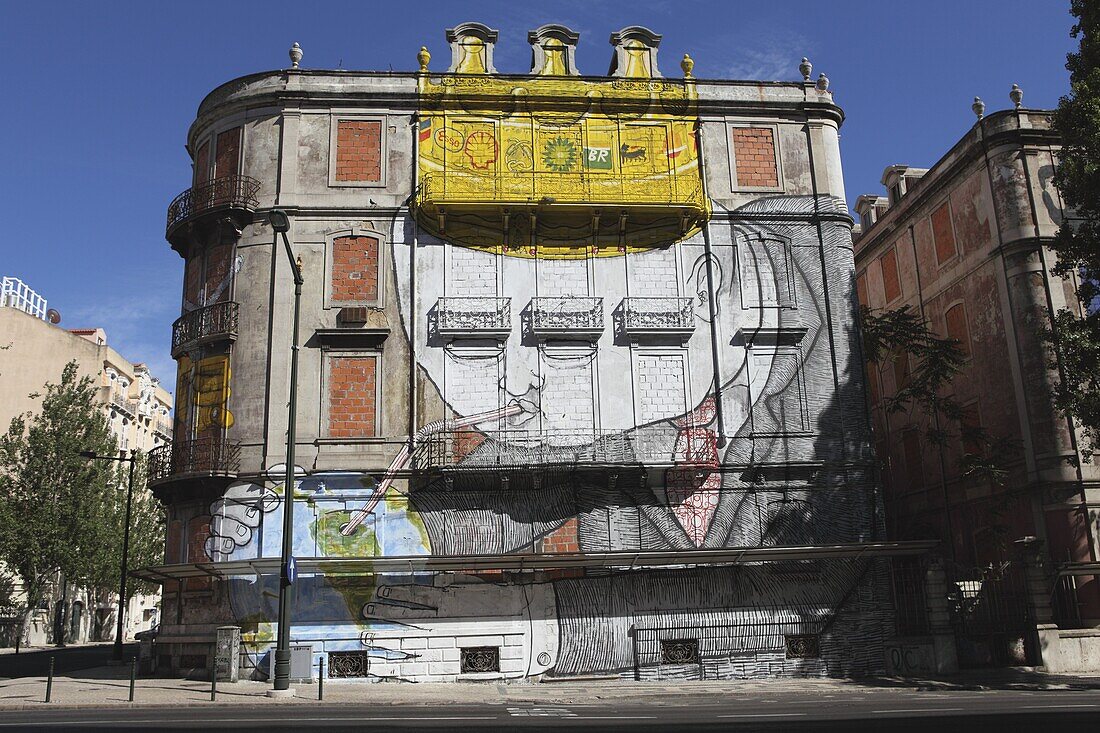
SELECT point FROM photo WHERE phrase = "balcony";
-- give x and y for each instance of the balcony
(232, 195)
(122, 404)
(489, 318)
(567, 318)
(658, 317)
(202, 458)
(645, 210)
(474, 451)
(216, 322)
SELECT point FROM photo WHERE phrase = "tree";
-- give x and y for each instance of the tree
(1075, 332)
(58, 510)
(933, 363)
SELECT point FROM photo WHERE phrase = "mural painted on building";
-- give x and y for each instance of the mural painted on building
(607, 361)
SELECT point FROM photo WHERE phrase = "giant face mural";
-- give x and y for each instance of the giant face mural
(569, 301)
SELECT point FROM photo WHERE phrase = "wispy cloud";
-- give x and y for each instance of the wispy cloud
(138, 326)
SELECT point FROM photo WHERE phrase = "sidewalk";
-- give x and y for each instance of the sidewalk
(109, 686)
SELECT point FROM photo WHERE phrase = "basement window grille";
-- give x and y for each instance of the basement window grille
(480, 659)
(348, 664)
(802, 646)
(679, 651)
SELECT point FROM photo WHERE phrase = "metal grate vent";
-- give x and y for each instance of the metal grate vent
(481, 659)
(348, 664)
(802, 646)
(679, 651)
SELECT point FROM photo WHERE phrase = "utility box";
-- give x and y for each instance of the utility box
(301, 663)
(227, 653)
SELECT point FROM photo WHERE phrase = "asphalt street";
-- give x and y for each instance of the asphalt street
(882, 710)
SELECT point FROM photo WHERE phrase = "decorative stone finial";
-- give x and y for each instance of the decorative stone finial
(1016, 95)
(978, 107)
(423, 57)
(295, 55)
(805, 68)
(687, 64)
(822, 83)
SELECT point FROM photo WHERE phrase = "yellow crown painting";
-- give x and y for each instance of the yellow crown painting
(554, 164)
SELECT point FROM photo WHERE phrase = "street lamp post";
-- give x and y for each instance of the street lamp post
(132, 460)
(280, 222)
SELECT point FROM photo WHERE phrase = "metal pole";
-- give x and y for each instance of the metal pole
(125, 560)
(282, 647)
(49, 681)
(133, 676)
(213, 672)
(321, 680)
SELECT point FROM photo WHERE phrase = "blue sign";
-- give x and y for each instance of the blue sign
(291, 570)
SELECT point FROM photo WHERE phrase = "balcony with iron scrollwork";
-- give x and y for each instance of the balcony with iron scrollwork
(233, 196)
(206, 457)
(566, 318)
(658, 317)
(489, 318)
(217, 322)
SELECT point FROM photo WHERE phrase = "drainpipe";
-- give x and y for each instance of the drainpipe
(712, 306)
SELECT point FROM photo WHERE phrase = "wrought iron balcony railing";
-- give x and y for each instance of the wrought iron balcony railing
(474, 450)
(225, 192)
(203, 325)
(567, 317)
(208, 456)
(120, 402)
(473, 317)
(658, 316)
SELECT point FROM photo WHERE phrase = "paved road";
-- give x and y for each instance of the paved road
(67, 659)
(1002, 711)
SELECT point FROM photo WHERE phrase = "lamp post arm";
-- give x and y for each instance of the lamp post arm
(293, 264)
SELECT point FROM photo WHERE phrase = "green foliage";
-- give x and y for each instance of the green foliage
(61, 512)
(1075, 333)
(933, 364)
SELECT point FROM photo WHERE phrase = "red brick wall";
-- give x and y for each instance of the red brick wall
(198, 529)
(228, 155)
(219, 267)
(891, 284)
(192, 279)
(354, 269)
(943, 234)
(754, 157)
(562, 539)
(351, 393)
(359, 151)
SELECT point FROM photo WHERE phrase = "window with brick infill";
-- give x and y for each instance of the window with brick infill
(358, 158)
(354, 272)
(352, 396)
(755, 163)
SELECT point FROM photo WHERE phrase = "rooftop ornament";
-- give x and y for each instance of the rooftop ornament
(423, 57)
(687, 64)
(978, 107)
(822, 83)
(805, 68)
(1016, 95)
(295, 55)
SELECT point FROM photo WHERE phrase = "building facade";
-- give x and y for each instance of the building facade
(965, 245)
(580, 390)
(137, 407)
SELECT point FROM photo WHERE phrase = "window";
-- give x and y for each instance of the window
(357, 151)
(891, 284)
(872, 383)
(764, 269)
(352, 396)
(901, 371)
(227, 155)
(943, 234)
(957, 328)
(754, 161)
(480, 659)
(861, 289)
(354, 278)
(911, 447)
(970, 429)
(895, 193)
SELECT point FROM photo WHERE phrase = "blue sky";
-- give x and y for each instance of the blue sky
(99, 97)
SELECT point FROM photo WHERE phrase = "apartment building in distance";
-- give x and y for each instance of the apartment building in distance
(137, 407)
